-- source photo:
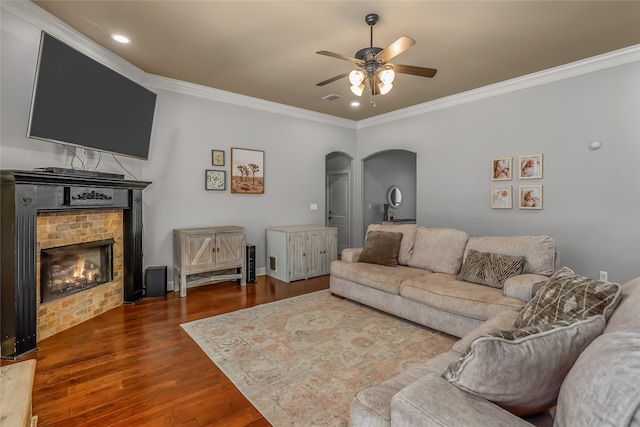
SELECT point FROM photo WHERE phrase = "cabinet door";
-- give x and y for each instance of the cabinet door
(331, 249)
(199, 251)
(297, 256)
(229, 249)
(316, 245)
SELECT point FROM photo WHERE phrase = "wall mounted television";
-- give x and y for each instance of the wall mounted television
(78, 101)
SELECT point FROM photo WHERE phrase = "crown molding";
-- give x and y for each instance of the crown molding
(186, 88)
(600, 62)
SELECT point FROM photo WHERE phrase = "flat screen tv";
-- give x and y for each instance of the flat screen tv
(80, 102)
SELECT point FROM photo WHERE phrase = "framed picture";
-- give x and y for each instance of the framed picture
(217, 157)
(530, 197)
(247, 171)
(501, 197)
(501, 169)
(530, 166)
(215, 180)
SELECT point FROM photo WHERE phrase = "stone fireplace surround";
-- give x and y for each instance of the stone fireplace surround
(27, 195)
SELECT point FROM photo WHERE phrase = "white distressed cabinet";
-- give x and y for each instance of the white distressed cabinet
(300, 252)
(206, 255)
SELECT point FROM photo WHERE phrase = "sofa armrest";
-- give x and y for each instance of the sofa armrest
(433, 401)
(524, 286)
(351, 254)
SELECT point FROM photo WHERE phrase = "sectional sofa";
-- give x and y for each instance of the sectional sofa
(540, 348)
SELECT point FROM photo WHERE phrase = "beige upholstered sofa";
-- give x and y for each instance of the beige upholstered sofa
(514, 366)
(423, 287)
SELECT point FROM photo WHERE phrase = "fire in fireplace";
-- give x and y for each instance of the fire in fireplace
(66, 270)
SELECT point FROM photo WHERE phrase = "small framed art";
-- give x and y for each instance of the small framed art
(215, 180)
(247, 171)
(501, 169)
(530, 197)
(217, 157)
(530, 166)
(501, 197)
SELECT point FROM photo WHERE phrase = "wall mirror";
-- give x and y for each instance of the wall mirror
(394, 196)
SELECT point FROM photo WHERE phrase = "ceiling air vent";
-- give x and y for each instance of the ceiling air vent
(331, 97)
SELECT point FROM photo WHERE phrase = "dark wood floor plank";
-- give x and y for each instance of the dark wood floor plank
(135, 365)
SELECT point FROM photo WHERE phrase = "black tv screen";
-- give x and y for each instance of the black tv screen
(78, 101)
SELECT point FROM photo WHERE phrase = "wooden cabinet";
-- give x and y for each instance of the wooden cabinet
(206, 255)
(300, 252)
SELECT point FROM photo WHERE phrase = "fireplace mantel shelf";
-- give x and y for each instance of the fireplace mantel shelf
(24, 194)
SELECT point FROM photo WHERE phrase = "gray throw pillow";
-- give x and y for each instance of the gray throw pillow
(381, 247)
(568, 296)
(523, 370)
(485, 268)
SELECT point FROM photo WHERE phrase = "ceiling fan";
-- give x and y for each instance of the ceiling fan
(374, 67)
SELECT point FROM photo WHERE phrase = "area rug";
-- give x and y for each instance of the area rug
(299, 361)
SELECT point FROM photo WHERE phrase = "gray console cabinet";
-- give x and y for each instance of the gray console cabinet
(300, 252)
(206, 255)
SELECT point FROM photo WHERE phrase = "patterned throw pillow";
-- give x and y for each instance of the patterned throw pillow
(381, 247)
(523, 370)
(567, 296)
(485, 268)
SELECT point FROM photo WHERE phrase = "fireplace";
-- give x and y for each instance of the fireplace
(66, 270)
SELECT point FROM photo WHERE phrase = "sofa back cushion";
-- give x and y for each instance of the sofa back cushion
(408, 236)
(439, 250)
(538, 251)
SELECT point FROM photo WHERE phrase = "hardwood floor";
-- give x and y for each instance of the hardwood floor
(135, 365)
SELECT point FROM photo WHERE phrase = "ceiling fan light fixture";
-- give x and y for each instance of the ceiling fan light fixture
(357, 89)
(356, 77)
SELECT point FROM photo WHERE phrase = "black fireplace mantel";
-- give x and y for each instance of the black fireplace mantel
(25, 193)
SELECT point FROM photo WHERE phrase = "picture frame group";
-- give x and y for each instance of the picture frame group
(529, 196)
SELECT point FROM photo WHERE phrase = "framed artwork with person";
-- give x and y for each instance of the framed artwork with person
(530, 166)
(501, 169)
(530, 197)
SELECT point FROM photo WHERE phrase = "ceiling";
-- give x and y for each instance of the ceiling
(266, 49)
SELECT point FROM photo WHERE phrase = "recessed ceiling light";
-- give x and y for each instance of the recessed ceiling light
(120, 38)
(355, 104)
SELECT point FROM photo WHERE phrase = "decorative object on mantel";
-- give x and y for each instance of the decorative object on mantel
(501, 169)
(530, 166)
(322, 348)
(215, 180)
(247, 171)
(530, 197)
(501, 197)
(217, 157)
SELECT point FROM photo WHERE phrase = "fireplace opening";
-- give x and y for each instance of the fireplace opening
(66, 270)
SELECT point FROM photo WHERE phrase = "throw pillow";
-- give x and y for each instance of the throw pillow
(522, 370)
(381, 247)
(485, 268)
(567, 296)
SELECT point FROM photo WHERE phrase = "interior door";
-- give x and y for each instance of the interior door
(338, 207)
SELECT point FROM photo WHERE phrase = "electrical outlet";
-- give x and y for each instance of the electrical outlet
(604, 275)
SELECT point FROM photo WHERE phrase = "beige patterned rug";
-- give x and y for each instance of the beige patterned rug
(300, 360)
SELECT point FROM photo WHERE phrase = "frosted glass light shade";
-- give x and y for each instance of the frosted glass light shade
(384, 88)
(356, 77)
(387, 76)
(357, 90)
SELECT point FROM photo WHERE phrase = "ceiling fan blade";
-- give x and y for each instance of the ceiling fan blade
(339, 56)
(395, 49)
(416, 71)
(332, 79)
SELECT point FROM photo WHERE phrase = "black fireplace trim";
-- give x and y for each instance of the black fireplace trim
(25, 193)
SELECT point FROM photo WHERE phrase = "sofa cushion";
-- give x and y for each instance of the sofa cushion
(522, 369)
(381, 247)
(438, 250)
(486, 268)
(568, 296)
(603, 387)
(381, 277)
(444, 292)
(524, 286)
(539, 251)
(408, 236)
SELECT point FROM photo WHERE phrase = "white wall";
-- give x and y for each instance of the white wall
(591, 203)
